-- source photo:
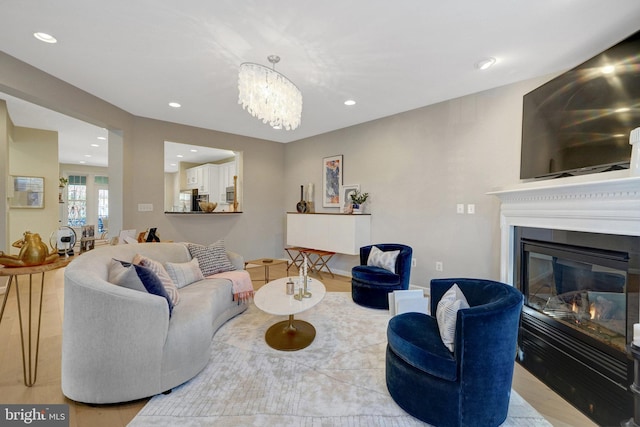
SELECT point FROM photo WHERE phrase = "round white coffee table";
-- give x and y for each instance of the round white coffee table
(291, 334)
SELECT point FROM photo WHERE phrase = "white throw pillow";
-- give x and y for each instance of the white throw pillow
(184, 273)
(386, 260)
(447, 313)
(123, 276)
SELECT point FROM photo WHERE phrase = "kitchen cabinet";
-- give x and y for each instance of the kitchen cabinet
(192, 178)
(226, 172)
(205, 178)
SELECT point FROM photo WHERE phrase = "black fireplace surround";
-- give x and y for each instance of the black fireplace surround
(581, 302)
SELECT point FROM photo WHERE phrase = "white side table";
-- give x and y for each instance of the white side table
(291, 334)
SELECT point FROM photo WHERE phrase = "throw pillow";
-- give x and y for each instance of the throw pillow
(386, 260)
(162, 274)
(184, 273)
(150, 281)
(447, 314)
(123, 276)
(212, 259)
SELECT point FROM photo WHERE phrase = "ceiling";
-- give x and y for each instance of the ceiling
(389, 57)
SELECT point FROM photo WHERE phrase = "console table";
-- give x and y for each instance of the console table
(29, 361)
(339, 233)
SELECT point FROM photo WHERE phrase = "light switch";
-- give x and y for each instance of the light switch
(471, 209)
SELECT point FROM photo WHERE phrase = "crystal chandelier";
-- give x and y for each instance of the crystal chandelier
(268, 95)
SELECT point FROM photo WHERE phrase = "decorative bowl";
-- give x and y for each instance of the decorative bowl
(207, 206)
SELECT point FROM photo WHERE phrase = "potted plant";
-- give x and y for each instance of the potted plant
(358, 199)
(63, 182)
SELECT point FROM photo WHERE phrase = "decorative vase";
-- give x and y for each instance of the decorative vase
(357, 209)
(310, 204)
(301, 207)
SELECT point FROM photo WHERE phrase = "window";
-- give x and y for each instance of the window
(77, 196)
(102, 184)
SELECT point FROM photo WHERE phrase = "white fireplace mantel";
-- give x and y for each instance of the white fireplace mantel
(605, 203)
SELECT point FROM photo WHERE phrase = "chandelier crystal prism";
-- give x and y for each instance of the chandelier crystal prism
(269, 95)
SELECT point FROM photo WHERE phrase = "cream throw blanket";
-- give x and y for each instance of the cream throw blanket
(241, 282)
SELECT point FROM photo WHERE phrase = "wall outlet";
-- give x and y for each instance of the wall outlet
(460, 208)
(413, 262)
(439, 266)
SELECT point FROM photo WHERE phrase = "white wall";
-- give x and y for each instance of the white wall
(417, 166)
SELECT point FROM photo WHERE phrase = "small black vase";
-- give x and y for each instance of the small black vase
(301, 207)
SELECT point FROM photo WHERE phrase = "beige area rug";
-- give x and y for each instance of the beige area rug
(337, 381)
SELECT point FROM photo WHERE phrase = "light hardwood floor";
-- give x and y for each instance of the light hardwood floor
(47, 387)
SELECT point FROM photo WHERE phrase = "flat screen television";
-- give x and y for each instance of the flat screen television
(580, 121)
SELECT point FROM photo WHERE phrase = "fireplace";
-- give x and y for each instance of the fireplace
(581, 301)
(572, 246)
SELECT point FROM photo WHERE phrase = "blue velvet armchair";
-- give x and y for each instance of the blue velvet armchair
(472, 385)
(370, 285)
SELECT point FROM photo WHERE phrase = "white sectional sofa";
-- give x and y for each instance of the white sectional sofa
(120, 344)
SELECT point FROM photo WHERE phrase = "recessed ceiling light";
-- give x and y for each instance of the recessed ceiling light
(102, 138)
(82, 162)
(179, 156)
(174, 105)
(95, 145)
(193, 150)
(485, 63)
(172, 164)
(277, 127)
(44, 37)
(87, 155)
(607, 69)
(349, 102)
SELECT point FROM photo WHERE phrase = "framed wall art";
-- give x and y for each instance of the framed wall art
(331, 181)
(27, 192)
(345, 192)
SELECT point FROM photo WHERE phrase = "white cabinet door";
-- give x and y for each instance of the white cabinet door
(203, 180)
(226, 173)
(192, 178)
(209, 182)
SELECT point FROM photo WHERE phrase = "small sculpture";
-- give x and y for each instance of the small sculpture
(33, 251)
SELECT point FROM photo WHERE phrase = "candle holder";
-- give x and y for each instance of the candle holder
(306, 293)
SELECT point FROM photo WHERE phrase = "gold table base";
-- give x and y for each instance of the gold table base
(29, 321)
(29, 360)
(290, 335)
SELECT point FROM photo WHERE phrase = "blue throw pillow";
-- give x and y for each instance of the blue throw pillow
(151, 282)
